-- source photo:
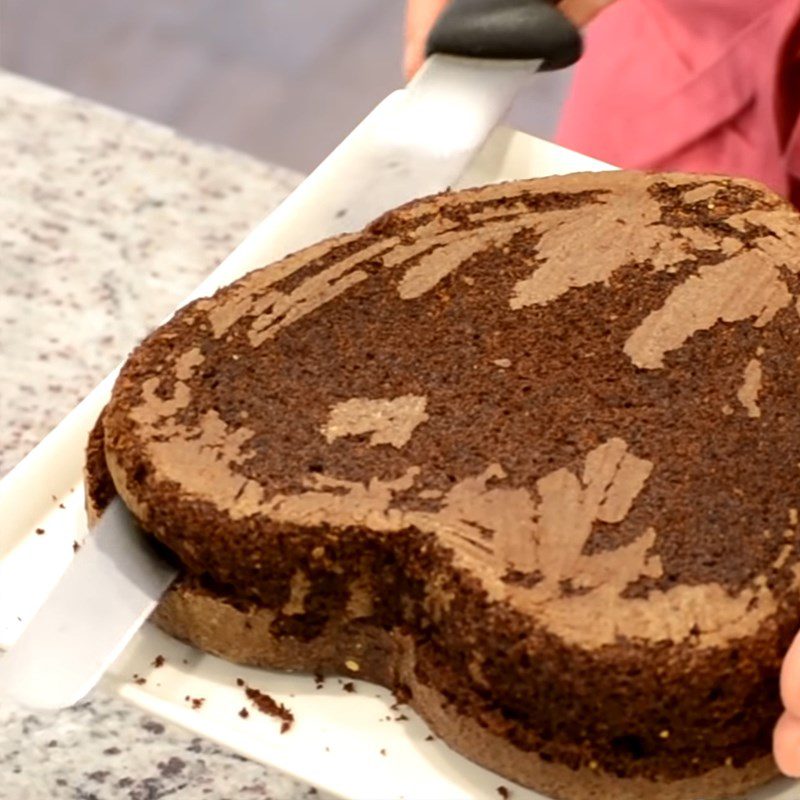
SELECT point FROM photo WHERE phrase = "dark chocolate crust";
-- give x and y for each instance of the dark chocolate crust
(547, 430)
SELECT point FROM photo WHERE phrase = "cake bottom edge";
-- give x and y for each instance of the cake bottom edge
(360, 649)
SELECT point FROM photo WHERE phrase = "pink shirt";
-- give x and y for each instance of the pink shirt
(694, 85)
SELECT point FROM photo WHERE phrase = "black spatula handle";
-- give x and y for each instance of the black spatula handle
(506, 29)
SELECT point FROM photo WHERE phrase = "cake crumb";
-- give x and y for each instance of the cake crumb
(62, 506)
(197, 702)
(401, 718)
(138, 679)
(159, 661)
(383, 751)
(267, 705)
(349, 687)
(503, 792)
(40, 531)
(430, 737)
(352, 665)
(244, 713)
(319, 679)
(75, 547)
(239, 682)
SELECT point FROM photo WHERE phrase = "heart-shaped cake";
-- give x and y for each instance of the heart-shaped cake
(528, 453)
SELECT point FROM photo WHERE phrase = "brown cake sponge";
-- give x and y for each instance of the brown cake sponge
(528, 451)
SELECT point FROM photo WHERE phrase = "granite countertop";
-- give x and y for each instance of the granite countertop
(107, 223)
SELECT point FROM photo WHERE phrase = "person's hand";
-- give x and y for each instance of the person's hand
(421, 14)
(786, 739)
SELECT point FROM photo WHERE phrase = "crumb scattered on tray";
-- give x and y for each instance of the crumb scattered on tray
(197, 702)
(430, 737)
(401, 718)
(75, 547)
(244, 713)
(139, 680)
(319, 679)
(159, 661)
(349, 687)
(239, 682)
(503, 792)
(61, 505)
(40, 531)
(383, 751)
(267, 705)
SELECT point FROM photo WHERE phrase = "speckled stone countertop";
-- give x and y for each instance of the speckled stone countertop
(107, 222)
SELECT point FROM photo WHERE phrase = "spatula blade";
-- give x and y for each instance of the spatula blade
(423, 143)
(107, 592)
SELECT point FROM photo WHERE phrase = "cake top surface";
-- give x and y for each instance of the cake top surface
(583, 387)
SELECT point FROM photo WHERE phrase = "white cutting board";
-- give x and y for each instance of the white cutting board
(350, 744)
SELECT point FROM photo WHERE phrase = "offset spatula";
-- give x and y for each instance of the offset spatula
(480, 54)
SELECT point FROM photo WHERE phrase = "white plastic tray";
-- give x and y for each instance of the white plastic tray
(350, 744)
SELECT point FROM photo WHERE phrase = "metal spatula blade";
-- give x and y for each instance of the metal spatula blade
(422, 144)
(109, 589)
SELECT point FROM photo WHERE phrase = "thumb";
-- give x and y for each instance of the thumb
(581, 12)
(420, 17)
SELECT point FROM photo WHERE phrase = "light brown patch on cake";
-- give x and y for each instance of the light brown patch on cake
(187, 362)
(391, 421)
(154, 409)
(361, 600)
(700, 193)
(245, 297)
(782, 239)
(177, 451)
(299, 586)
(621, 233)
(478, 511)
(287, 308)
(745, 286)
(748, 391)
(446, 254)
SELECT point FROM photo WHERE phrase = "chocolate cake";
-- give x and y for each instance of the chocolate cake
(527, 454)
